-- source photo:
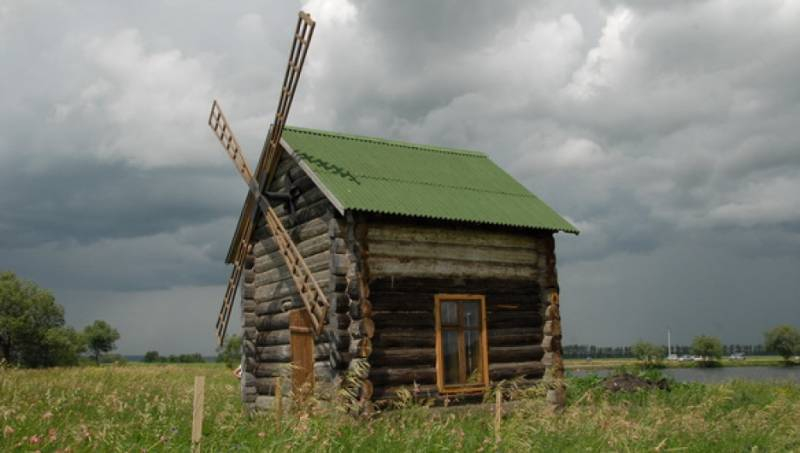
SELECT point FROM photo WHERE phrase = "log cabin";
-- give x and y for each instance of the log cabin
(439, 267)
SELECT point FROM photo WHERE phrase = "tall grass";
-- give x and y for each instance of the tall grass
(136, 408)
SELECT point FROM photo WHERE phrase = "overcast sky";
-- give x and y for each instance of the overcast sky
(667, 132)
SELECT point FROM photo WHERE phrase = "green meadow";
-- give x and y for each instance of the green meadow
(149, 408)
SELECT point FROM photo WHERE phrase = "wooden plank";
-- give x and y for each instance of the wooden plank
(457, 235)
(307, 248)
(430, 267)
(299, 233)
(461, 252)
(197, 409)
(302, 348)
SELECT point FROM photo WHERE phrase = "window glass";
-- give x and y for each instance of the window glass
(472, 346)
(450, 352)
(472, 313)
(461, 343)
(450, 313)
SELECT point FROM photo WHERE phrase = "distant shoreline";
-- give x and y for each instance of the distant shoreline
(605, 363)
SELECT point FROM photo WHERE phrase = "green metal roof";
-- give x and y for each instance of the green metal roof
(377, 175)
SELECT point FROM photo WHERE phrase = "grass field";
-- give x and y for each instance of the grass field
(138, 407)
(767, 360)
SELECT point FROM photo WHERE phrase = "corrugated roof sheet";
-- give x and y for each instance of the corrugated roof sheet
(377, 175)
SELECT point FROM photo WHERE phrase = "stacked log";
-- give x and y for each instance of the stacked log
(361, 327)
(268, 292)
(551, 343)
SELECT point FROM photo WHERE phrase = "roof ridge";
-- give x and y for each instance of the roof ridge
(386, 142)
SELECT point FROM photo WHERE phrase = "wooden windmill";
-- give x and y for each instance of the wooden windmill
(258, 201)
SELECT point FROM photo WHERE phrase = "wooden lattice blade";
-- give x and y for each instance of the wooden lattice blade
(314, 299)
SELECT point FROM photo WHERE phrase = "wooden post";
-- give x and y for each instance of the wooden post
(278, 402)
(197, 411)
(498, 414)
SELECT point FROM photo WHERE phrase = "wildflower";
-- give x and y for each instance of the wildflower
(47, 415)
(52, 434)
(7, 431)
(34, 440)
(262, 434)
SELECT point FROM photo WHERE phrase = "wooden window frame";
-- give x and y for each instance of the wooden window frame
(484, 342)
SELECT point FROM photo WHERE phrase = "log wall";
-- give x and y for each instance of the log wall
(410, 263)
(268, 292)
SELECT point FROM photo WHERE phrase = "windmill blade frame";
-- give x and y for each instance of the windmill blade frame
(313, 297)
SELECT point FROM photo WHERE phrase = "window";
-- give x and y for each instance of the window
(462, 363)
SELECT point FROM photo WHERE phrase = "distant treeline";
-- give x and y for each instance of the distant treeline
(581, 351)
(155, 357)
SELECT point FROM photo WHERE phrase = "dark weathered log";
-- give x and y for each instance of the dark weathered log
(397, 357)
(422, 267)
(340, 303)
(305, 199)
(272, 322)
(275, 369)
(362, 328)
(342, 320)
(338, 360)
(338, 262)
(361, 347)
(432, 285)
(337, 283)
(360, 309)
(403, 320)
(283, 353)
(315, 263)
(279, 305)
(403, 376)
(515, 336)
(411, 338)
(453, 251)
(514, 319)
(340, 338)
(285, 288)
(271, 338)
(530, 370)
(519, 353)
(463, 235)
(307, 248)
(407, 301)
(248, 305)
(300, 233)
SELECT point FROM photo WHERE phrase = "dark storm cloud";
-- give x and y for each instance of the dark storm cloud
(666, 131)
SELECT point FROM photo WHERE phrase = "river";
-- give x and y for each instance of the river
(716, 375)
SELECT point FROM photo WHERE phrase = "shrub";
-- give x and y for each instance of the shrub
(649, 354)
(783, 340)
(707, 347)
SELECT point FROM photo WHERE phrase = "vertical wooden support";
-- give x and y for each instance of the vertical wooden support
(361, 327)
(302, 344)
(552, 345)
(197, 410)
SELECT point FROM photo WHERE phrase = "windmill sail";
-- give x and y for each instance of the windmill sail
(313, 298)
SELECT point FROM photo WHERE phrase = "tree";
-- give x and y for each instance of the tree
(648, 353)
(783, 340)
(231, 353)
(152, 356)
(32, 331)
(100, 338)
(707, 347)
